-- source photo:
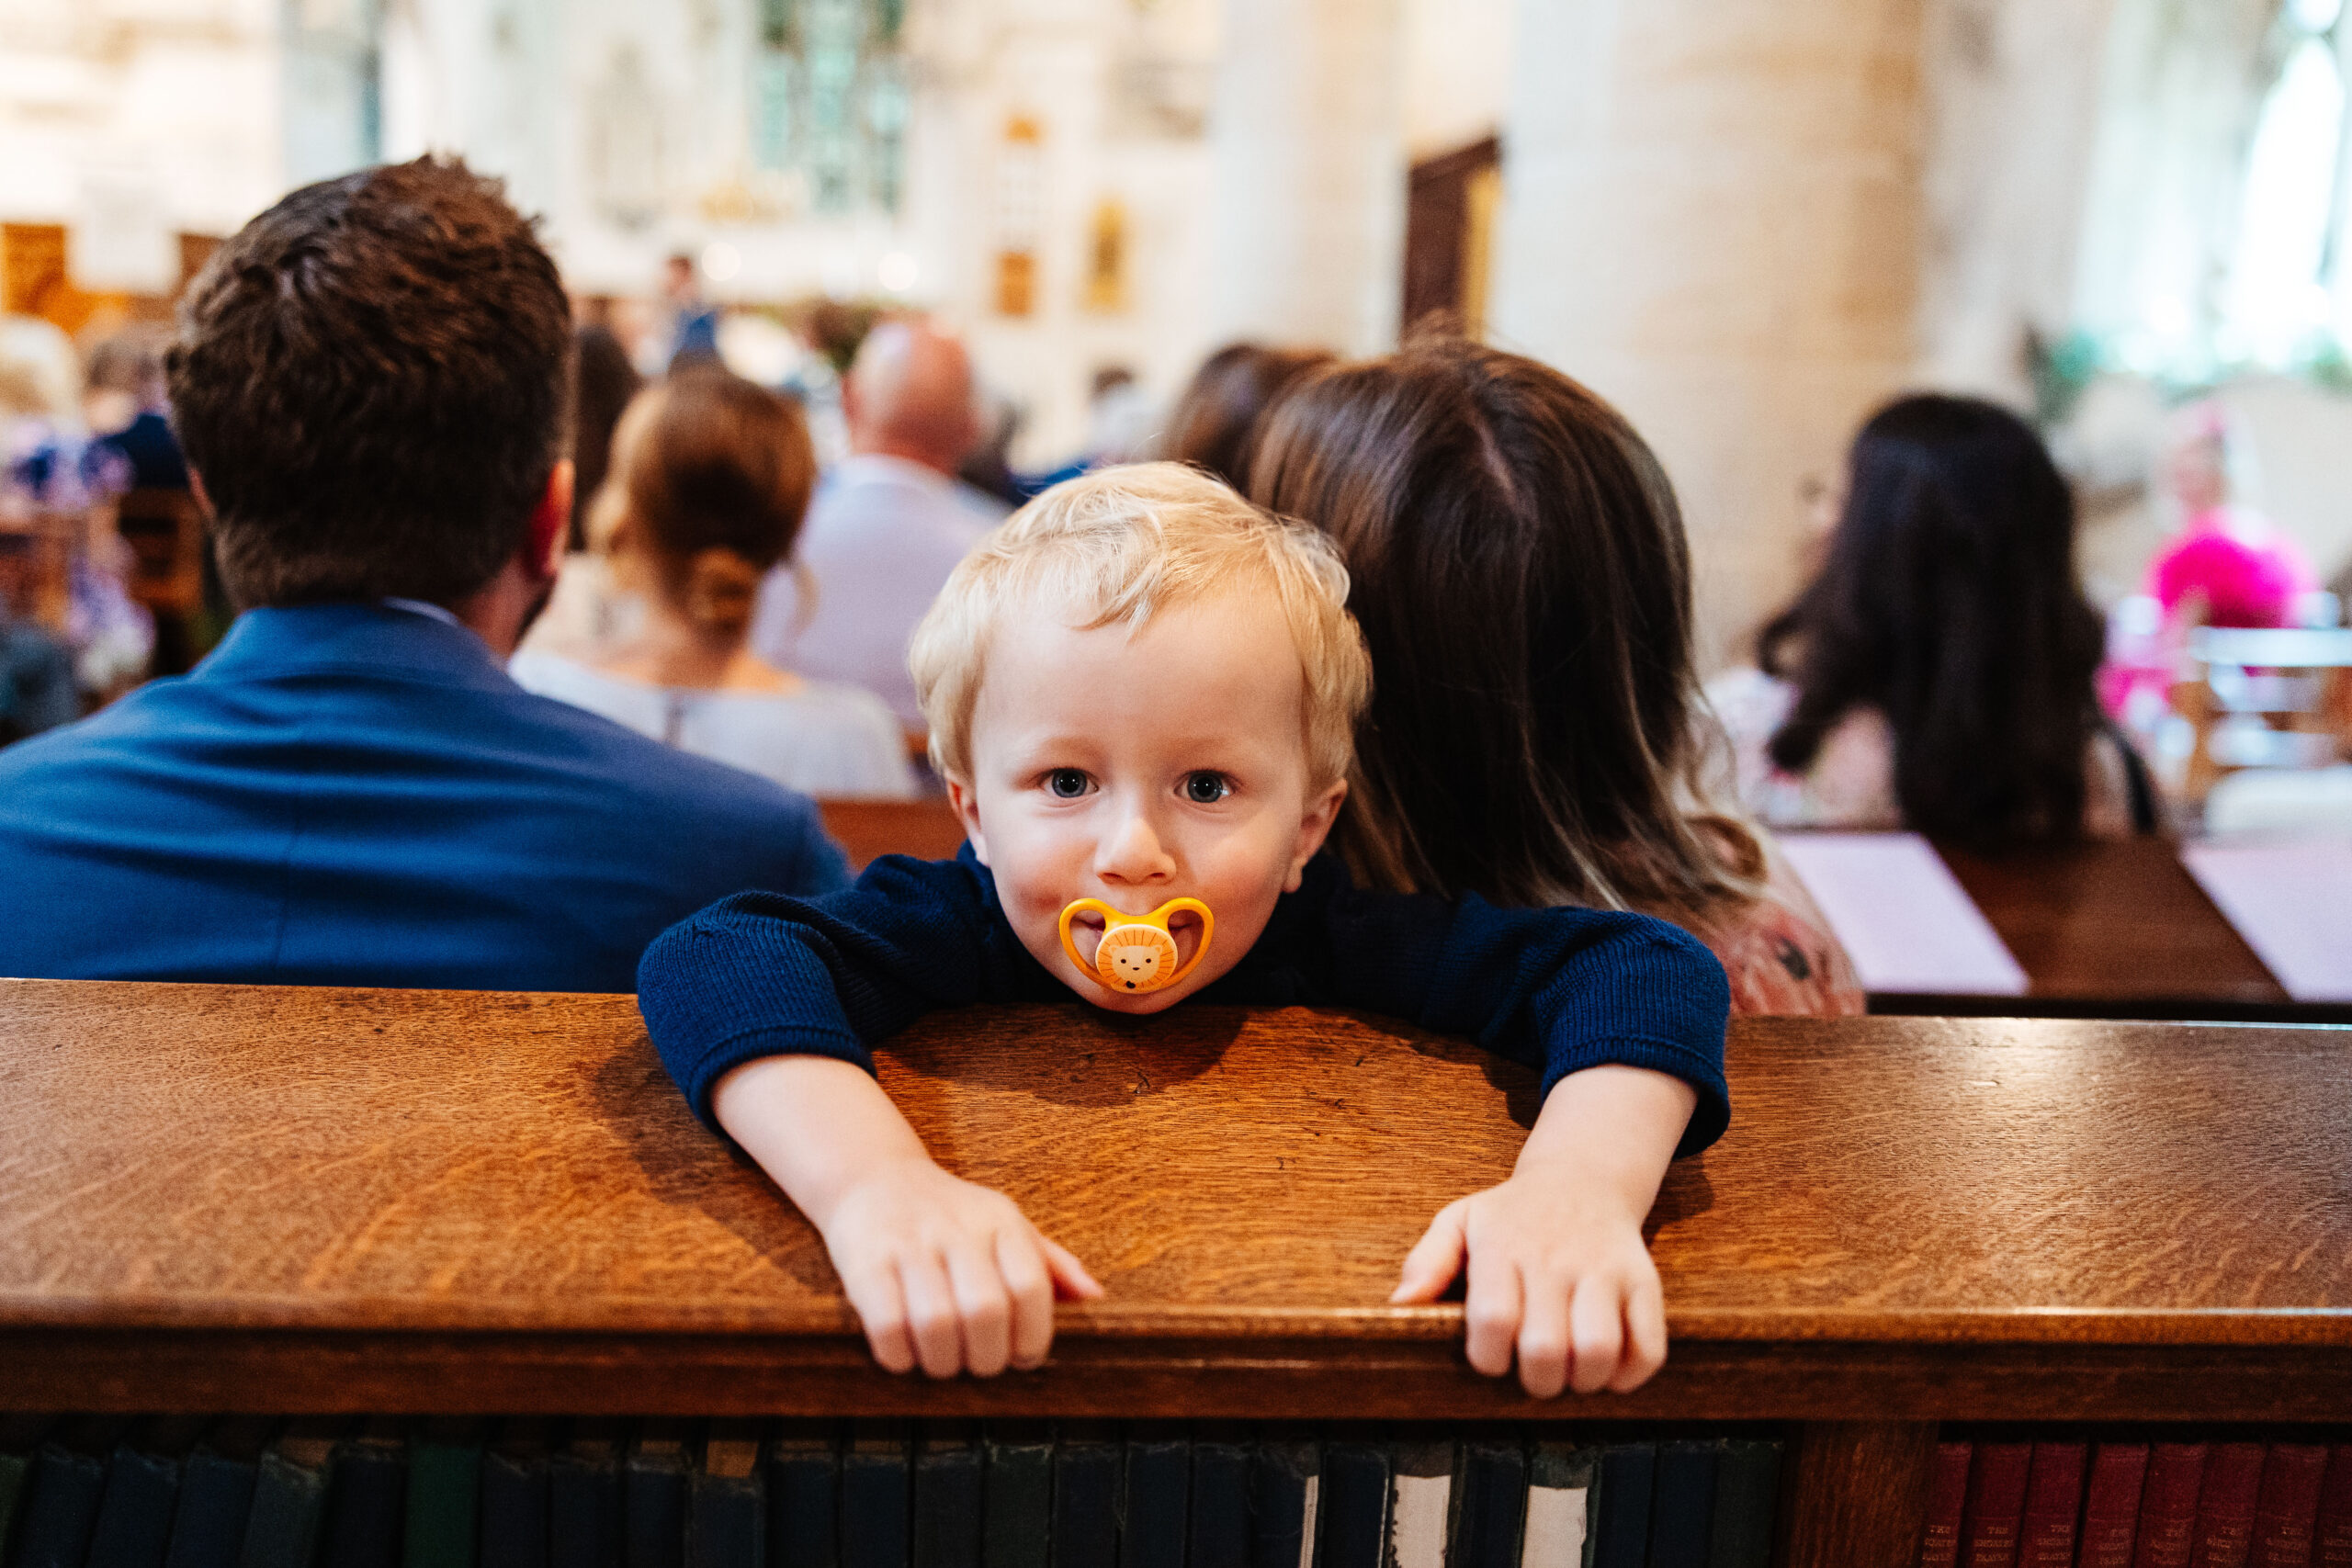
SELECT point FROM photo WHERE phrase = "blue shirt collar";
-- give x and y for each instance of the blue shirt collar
(353, 637)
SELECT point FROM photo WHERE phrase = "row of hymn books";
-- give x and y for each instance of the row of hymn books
(169, 1491)
(2223, 1503)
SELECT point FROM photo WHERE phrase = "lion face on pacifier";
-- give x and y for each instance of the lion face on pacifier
(1137, 952)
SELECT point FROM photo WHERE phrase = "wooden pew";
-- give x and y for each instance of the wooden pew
(925, 827)
(221, 1198)
(2113, 929)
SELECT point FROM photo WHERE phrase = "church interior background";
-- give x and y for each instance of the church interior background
(1747, 221)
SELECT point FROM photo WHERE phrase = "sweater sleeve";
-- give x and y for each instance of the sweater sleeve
(765, 975)
(1559, 989)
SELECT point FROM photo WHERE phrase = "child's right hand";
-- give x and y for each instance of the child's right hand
(946, 1273)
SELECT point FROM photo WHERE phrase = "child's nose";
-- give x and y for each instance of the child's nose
(1134, 853)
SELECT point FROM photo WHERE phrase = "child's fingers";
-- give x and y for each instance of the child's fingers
(1644, 1336)
(1543, 1336)
(1019, 1257)
(983, 1305)
(1490, 1313)
(1070, 1278)
(874, 1294)
(1597, 1332)
(1436, 1258)
(931, 1314)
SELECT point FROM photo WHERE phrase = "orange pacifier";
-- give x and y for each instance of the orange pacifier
(1137, 954)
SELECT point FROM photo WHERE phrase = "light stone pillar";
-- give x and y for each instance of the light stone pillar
(1307, 172)
(1714, 217)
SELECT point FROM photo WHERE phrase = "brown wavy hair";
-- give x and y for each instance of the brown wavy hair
(1521, 577)
(1215, 423)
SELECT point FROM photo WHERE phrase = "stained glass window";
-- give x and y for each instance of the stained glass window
(829, 100)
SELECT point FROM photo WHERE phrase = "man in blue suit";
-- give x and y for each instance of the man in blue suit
(369, 383)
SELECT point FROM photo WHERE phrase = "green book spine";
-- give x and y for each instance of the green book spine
(444, 1496)
(289, 1499)
(135, 1528)
(1016, 1494)
(1159, 1485)
(1489, 1502)
(875, 1496)
(1217, 1531)
(727, 1527)
(1748, 1490)
(949, 1474)
(654, 1484)
(1086, 1495)
(1285, 1499)
(19, 1435)
(803, 1466)
(217, 1494)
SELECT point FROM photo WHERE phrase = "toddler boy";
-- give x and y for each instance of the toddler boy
(1141, 688)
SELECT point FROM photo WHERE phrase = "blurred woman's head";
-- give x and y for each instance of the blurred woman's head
(602, 382)
(710, 478)
(1521, 575)
(1216, 420)
(1948, 602)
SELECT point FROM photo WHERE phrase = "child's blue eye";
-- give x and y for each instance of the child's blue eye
(1205, 788)
(1067, 784)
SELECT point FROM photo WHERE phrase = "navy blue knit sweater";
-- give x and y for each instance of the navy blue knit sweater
(762, 975)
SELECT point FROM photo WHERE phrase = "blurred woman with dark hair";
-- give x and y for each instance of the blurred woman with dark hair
(1536, 736)
(1216, 420)
(1939, 673)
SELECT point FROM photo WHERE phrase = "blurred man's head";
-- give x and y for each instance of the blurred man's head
(909, 395)
(371, 381)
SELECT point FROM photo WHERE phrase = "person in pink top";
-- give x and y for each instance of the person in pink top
(2231, 560)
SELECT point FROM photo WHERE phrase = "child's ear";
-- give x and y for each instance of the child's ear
(1313, 829)
(967, 805)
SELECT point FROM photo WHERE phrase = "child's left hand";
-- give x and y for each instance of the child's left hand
(1557, 1275)
(1558, 1271)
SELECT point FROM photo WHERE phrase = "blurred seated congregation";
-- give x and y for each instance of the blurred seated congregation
(1857, 492)
(1101, 232)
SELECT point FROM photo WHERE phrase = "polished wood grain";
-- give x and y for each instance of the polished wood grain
(1854, 1495)
(2117, 929)
(222, 1197)
(925, 827)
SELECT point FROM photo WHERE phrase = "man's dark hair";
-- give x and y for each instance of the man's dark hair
(371, 381)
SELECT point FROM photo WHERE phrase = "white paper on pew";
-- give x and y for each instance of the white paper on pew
(1904, 918)
(2291, 899)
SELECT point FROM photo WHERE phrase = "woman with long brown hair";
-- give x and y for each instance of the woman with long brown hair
(1536, 733)
(1939, 672)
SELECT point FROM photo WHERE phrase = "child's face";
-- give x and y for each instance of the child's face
(1135, 769)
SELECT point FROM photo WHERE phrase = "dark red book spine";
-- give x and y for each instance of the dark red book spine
(2167, 1529)
(2288, 1511)
(1995, 1511)
(2225, 1507)
(2332, 1539)
(1947, 1493)
(2053, 1501)
(2111, 1509)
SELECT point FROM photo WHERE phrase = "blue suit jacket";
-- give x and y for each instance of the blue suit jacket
(355, 795)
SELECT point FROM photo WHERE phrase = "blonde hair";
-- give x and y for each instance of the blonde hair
(1117, 547)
